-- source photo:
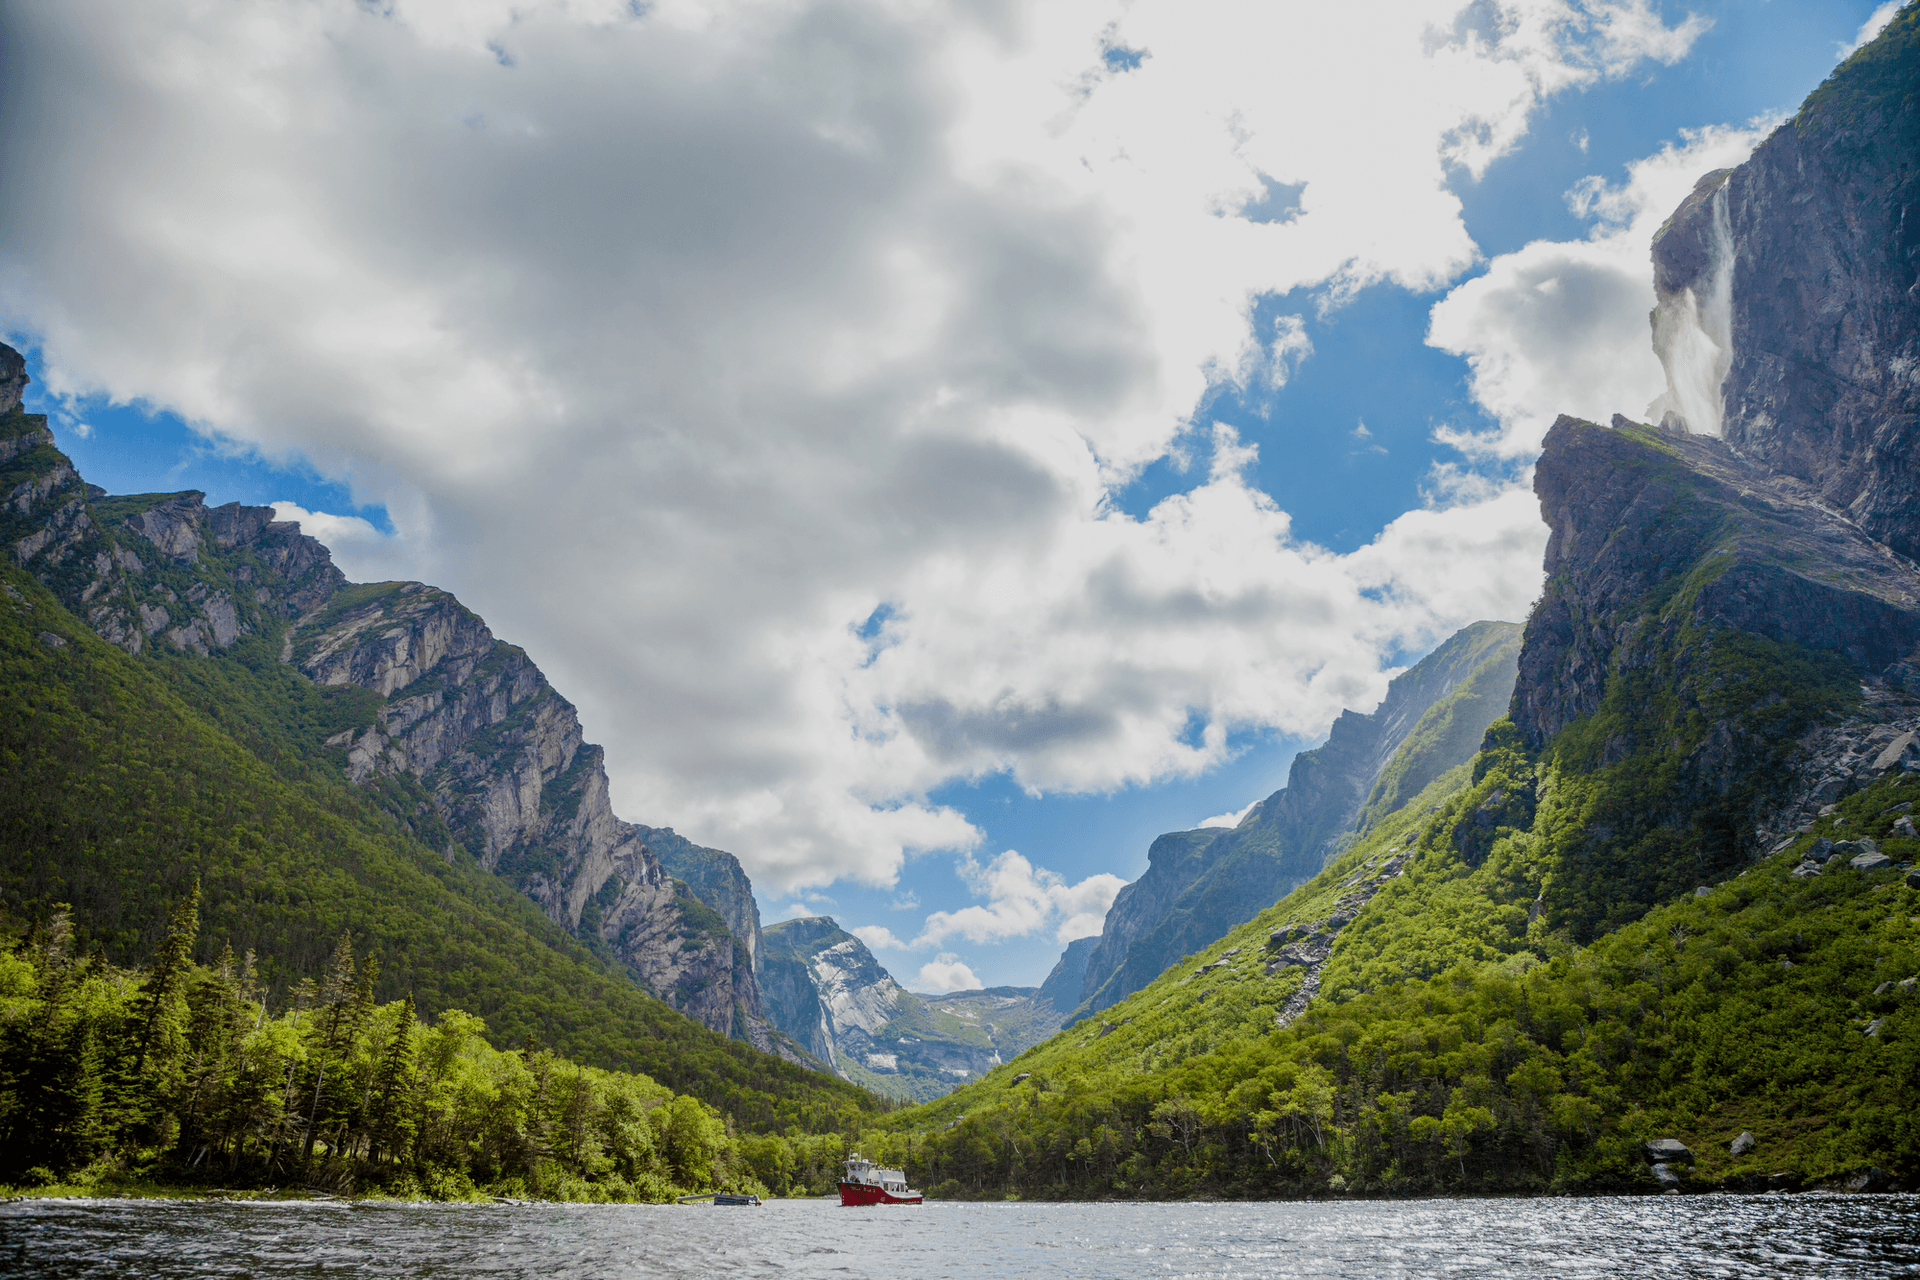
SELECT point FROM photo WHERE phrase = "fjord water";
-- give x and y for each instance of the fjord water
(1831, 1237)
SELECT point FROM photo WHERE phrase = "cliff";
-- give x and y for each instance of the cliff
(1199, 884)
(1817, 236)
(506, 775)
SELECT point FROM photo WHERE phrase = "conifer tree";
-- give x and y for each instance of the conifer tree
(390, 1121)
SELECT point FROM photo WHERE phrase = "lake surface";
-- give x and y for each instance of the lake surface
(1667, 1237)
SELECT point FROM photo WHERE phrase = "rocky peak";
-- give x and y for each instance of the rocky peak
(13, 378)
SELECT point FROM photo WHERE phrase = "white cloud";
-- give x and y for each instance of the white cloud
(1021, 900)
(1561, 327)
(877, 937)
(945, 973)
(342, 534)
(678, 339)
(1226, 819)
(1876, 22)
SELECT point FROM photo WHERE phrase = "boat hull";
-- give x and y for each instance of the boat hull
(861, 1193)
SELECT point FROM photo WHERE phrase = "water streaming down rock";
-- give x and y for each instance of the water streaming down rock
(1693, 318)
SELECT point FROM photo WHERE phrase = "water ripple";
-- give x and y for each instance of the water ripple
(1832, 1237)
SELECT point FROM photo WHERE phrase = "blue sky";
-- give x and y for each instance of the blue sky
(1345, 447)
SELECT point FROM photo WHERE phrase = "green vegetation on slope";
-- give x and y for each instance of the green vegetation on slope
(130, 779)
(1748, 1008)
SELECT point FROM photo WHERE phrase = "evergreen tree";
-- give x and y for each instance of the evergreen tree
(390, 1120)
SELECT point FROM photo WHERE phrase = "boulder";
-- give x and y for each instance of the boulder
(1702, 892)
(1913, 880)
(1804, 870)
(1666, 1177)
(1895, 750)
(1867, 1179)
(1819, 848)
(1668, 1151)
(1903, 827)
(1742, 1144)
(1871, 861)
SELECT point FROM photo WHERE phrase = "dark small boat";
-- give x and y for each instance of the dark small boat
(721, 1197)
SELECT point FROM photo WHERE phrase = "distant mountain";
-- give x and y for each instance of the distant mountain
(1199, 884)
(828, 992)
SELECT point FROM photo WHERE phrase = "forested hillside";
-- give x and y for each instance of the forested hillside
(129, 779)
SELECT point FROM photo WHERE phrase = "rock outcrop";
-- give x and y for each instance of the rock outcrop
(1200, 884)
(499, 753)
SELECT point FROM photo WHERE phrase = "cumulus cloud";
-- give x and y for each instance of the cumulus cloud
(877, 937)
(1561, 327)
(1226, 819)
(1022, 899)
(349, 537)
(682, 340)
(1876, 22)
(945, 973)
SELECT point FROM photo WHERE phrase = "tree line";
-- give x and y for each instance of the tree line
(179, 1073)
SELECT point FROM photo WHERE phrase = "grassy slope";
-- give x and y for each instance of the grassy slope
(127, 779)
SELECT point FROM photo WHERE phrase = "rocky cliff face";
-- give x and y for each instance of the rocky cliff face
(470, 717)
(1639, 517)
(716, 878)
(1200, 884)
(1819, 238)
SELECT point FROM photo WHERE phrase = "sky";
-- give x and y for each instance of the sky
(938, 445)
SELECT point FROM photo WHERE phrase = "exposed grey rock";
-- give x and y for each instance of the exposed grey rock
(1870, 861)
(1702, 892)
(1669, 1150)
(1895, 751)
(52, 641)
(1804, 870)
(1873, 1028)
(1903, 827)
(13, 379)
(1867, 1179)
(1742, 1144)
(1665, 1176)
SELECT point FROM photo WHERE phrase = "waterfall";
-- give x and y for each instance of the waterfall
(1693, 336)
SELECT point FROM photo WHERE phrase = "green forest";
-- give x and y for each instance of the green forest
(1772, 1004)
(176, 1076)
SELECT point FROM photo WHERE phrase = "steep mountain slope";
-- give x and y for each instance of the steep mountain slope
(1672, 897)
(502, 769)
(127, 780)
(828, 992)
(1199, 884)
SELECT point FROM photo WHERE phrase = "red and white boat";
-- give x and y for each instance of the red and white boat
(867, 1183)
